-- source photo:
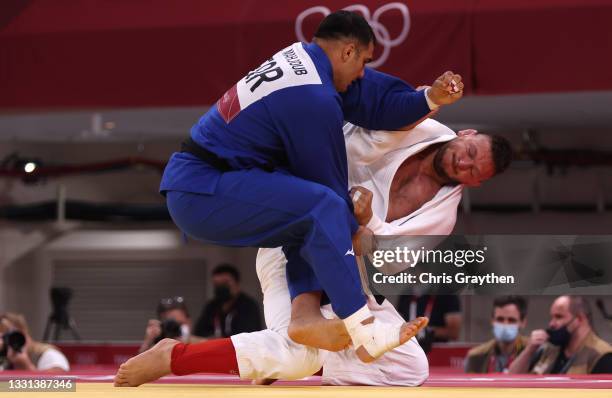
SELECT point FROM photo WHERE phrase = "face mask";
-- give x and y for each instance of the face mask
(561, 336)
(505, 333)
(222, 293)
(185, 332)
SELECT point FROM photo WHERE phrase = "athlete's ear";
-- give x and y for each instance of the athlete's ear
(348, 51)
(467, 132)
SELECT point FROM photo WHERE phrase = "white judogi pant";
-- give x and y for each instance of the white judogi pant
(272, 354)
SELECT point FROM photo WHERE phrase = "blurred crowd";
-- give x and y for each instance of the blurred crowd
(229, 312)
(568, 345)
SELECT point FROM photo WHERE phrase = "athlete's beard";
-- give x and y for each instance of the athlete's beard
(439, 166)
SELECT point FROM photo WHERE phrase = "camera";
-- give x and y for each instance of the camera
(170, 329)
(14, 339)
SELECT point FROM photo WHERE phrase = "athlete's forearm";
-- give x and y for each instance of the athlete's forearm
(383, 102)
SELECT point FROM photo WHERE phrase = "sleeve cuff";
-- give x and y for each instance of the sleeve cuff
(430, 103)
(375, 223)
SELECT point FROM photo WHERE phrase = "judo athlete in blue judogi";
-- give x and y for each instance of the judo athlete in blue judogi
(267, 167)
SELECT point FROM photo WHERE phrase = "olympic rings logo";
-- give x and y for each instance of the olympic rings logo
(383, 37)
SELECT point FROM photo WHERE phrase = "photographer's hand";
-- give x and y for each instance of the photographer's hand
(20, 360)
(152, 332)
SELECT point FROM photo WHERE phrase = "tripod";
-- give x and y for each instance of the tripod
(60, 319)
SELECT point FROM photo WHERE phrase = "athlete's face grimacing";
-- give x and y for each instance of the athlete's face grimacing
(353, 60)
(467, 159)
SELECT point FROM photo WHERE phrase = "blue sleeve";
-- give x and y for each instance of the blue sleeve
(383, 102)
(311, 126)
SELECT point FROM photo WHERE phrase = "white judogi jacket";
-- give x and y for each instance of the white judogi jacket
(374, 157)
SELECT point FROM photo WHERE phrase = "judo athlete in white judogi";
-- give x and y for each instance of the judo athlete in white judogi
(374, 160)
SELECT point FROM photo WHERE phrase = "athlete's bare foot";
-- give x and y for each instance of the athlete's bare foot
(407, 331)
(309, 327)
(326, 334)
(146, 367)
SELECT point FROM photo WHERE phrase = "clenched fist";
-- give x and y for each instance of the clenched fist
(362, 202)
(447, 89)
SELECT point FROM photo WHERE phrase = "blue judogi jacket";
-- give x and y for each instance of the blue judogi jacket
(288, 114)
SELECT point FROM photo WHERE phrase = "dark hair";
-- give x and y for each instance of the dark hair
(518, 301)
(579, 305)
(346, 25)
(501, 152)
(172, 303)
(227, 269)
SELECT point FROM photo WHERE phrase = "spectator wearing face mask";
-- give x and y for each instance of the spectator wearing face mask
(569, 345)
(230, 311)
(508, 319)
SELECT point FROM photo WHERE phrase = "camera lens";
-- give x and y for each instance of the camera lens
(15, 339)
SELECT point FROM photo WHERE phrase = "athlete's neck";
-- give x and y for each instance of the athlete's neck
(427, 165)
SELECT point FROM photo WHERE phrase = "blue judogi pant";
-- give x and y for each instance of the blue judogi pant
(312, 223)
